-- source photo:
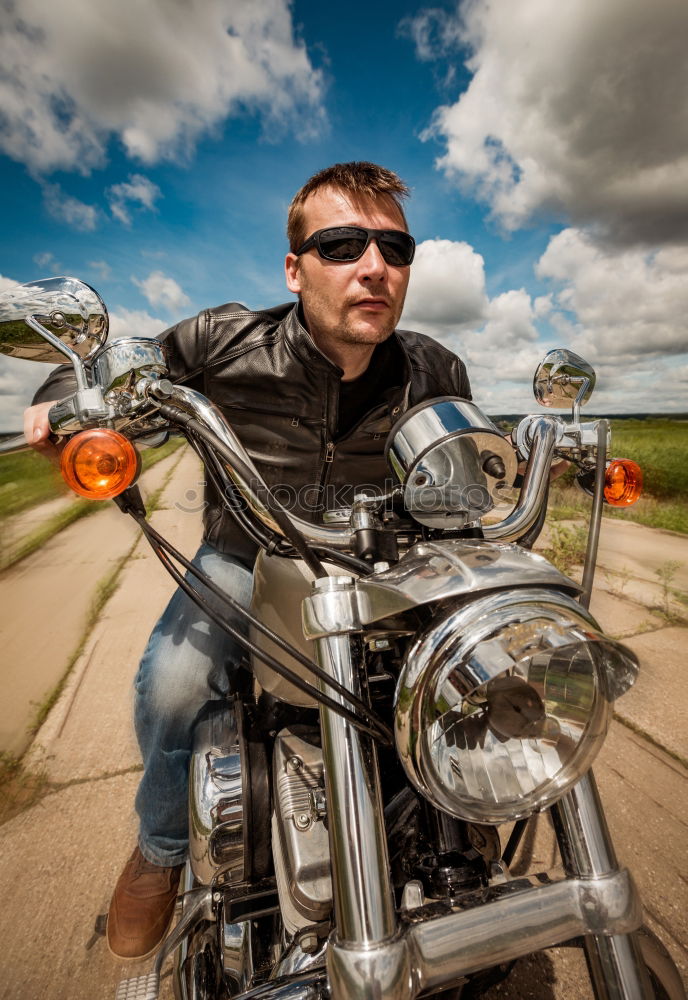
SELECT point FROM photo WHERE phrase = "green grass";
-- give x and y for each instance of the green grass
(27, 478)
(660, 447)
(76, 510)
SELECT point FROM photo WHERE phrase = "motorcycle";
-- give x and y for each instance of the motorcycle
(414, 635)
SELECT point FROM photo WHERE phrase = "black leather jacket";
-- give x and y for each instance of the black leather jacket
(280, 394)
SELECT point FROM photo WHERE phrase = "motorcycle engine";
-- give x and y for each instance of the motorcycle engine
(300, 844)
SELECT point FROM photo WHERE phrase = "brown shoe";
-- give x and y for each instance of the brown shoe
(141, 907)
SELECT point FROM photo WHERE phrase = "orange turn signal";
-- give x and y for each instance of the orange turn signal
(623, 482)
(99, 463)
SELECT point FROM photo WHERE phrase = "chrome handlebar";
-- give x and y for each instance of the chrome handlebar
(543, 435)
(198, 406)
(534, 490)
(543, 432)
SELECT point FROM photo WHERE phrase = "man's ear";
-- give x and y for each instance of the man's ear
(292, 273)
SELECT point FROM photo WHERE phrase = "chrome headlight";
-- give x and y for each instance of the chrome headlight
(503, 703)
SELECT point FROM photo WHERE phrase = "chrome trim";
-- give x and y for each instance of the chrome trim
(363, 898)
(304, 854)
(421, 427)
(16, 443)
(615, 962)
(535, 483)
(436, 571)
(200, 907)
(563, 379)
(237, 954)
(216, 802)
(195, 404)
(455, 654)
(66, 313)
(439, 451)
(306, 986)
(121, 363)
(332, 609)
(72, 356)
(296, 960)
(584, 839)
(437, 954)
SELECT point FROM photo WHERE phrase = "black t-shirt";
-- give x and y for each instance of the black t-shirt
(360, 395)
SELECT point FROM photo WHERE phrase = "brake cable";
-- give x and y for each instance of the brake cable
(374, 726)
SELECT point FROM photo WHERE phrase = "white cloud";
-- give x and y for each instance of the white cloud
(134, 323)
(65, 208)
(19, 379)
(618, 304)
(161, 290)
(47, 262)
(447, 286)
(138, 190)
(434, 32)
(573, 109)
(102, 267)
(495, 337)
(8, 283)
(156, 75)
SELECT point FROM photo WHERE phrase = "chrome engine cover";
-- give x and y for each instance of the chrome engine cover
(301, 848)
(216, 799)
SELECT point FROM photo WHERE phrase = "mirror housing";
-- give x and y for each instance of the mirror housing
(69, 311)
(563, 379)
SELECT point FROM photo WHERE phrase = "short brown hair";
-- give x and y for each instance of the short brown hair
(359, 178)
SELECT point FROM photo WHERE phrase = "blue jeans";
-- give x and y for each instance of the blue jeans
(188, 663)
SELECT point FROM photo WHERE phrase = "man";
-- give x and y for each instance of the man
(312, 390)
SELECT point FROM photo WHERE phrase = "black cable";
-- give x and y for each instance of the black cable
(283, 520)
(270, 661)
(514, 840)
(270, 541)
(215, 471)
(344, 560)
(160, 545)
(260, 626)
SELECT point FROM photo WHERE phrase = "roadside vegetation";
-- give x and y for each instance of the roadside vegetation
(27, 479)
(24, 781)
(660, 447)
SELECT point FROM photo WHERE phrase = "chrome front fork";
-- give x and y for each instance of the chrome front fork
(363, 898)
(367, 955)
(616, 967)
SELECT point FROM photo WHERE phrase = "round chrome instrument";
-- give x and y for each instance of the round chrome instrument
(122, 363)
(452, 461)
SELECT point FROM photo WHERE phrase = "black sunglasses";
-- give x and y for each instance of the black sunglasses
(347, 243)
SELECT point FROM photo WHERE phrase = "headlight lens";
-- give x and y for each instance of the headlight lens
(503, 703)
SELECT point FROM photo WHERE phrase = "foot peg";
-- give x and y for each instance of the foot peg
(146, 987)
(143, 987)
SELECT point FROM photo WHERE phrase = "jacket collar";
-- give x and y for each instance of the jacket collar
(304, 347)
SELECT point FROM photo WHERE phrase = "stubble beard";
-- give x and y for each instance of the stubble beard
(347, 331)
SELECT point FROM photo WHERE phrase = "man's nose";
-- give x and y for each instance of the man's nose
(372, 265)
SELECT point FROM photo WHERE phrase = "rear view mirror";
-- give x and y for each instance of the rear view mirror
(68, 311)
(563, 379)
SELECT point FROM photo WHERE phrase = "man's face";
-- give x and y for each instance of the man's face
(357, 302)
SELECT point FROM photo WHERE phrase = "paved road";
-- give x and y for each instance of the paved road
(59, 859)
(46, 599)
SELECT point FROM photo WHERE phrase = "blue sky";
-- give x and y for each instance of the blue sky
(153, 150)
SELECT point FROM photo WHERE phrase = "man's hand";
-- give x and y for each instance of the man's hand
(37, 429)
